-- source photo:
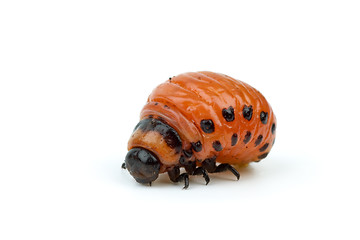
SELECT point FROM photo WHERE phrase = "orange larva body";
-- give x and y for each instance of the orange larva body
(215, 117)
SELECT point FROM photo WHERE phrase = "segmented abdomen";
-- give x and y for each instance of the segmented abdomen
(215, 115)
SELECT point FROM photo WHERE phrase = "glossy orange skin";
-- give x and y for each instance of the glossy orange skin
(184, 100)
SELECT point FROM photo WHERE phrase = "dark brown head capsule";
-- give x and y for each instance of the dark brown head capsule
(142, 165)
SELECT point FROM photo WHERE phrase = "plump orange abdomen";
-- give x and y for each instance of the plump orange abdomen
(215, 116)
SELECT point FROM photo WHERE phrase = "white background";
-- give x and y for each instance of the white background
(75, 75)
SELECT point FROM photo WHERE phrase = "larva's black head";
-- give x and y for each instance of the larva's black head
(143, 165)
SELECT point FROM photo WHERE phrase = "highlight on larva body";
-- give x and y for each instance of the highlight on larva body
(203, 122)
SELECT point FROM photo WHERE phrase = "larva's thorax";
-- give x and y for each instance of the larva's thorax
(212, 115)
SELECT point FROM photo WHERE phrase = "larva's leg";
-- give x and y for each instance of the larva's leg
(184, 177)
(210, 165)
(227, 167)
(175, 176)
(202, 171)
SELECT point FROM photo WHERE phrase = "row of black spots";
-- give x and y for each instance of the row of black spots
(197, 147)
(207, 125)
(229, 115)
(248, 113)
(247, 138)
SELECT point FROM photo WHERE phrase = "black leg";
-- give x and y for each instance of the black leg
(175, 176)
(227, 167)
(123, 166)
(184, 177)
(209, 164)
(202, 171)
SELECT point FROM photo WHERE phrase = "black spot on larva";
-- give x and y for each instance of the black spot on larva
(169, 134)
(207, 126)
(264, 117)
(258, 140)
(228, 114)
(247, 112)
(262, 156)
(217, 146)
(166, 106)
(273, 128)
(156, 103)
(264, 147)
(196, 146)
(188, 153)
(151, 116)
(234, 139)
(247, 137)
